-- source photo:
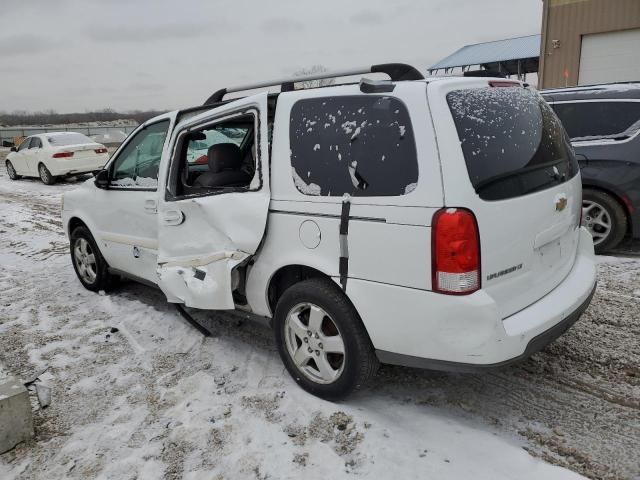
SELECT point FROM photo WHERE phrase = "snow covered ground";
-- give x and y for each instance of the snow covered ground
(138, 393)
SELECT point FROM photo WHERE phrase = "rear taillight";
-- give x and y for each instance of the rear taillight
(63, 155)
(100, 150)
(455, 252)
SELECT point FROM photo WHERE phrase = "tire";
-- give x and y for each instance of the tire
(45, 175)
(93, 272)
(339, 321)
(11, 171)
(605, 219)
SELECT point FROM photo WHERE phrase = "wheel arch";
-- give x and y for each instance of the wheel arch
(287, 276)
(75, 222)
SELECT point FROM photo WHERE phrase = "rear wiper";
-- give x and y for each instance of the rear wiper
(537, 188)
(514, 173)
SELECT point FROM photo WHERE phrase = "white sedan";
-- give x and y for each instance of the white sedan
(52, 155)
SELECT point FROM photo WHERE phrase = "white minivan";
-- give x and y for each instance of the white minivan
(430, 223)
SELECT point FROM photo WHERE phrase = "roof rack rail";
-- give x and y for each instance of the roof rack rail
(396, 72)
(594, 86)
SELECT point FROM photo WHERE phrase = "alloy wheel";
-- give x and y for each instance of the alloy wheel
(597, 220)
(11, 171)
(314, 343)
(44, 174)
(85, 260)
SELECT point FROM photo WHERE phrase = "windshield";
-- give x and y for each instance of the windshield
(64, 139)
(513, 143)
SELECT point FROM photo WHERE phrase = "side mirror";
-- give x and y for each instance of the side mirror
(102, 179)
(14, 149)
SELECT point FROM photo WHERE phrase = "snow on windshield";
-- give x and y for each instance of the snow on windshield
(505, 132)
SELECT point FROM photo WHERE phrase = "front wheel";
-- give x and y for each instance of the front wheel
(322, 340)
(605, 219)
(45, 175)
(11, 171)
(91, 268)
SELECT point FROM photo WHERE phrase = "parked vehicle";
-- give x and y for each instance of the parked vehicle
(431, 223)
(603, 122)
(55, 154)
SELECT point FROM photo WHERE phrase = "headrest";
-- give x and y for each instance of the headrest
(224, 156)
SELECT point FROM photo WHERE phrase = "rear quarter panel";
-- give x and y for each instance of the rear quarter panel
(389, 237)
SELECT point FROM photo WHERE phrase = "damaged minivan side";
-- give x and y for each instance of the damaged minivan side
(430, 223)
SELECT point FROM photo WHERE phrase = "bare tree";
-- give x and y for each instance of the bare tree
(313, 70)
(22, 117)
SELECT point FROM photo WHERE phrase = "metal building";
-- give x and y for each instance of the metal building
(510, 57)
(586, 42)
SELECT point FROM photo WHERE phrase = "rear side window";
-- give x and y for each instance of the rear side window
(356, 145)
(513, 143)
(599, 120)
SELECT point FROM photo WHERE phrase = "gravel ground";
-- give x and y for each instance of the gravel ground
(122, 397)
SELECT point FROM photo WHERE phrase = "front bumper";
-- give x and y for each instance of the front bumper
(425, 329)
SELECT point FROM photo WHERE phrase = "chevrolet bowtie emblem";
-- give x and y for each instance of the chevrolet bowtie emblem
(561, 203)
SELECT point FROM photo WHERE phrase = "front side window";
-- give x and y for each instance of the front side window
(357, 145)
(25, 144)
(513, 143)
(216, 158)
(586, 121)
(138, 162)
(35, 143)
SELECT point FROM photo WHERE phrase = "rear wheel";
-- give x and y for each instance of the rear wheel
(90, 266)
(11, 171)
(322, 341)
(605, 219)
(45, 175)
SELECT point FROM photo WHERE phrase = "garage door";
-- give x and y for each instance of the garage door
(610, 57)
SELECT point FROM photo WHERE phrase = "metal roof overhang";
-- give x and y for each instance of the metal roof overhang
(514, 56)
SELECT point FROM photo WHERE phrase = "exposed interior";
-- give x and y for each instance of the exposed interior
(218, 156)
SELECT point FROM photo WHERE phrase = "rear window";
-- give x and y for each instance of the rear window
(356, 145)
(64, 139)
(599, 120)
(513, 143)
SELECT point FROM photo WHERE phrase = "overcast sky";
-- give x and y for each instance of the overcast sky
(78, 55)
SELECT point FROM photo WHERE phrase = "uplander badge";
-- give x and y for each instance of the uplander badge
(504, 272)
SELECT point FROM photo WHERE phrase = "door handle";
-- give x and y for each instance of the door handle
(151, 206)
(172, 217)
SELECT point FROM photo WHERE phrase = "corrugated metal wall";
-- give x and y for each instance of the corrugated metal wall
(565, 21)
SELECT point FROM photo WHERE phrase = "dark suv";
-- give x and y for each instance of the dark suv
(603, 122)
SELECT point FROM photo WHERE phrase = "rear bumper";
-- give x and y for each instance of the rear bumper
(535, 345)
(424, 329)
(71, 166)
